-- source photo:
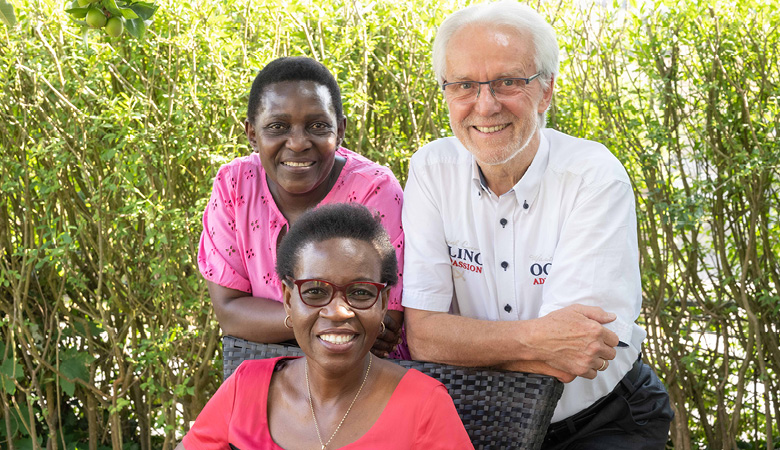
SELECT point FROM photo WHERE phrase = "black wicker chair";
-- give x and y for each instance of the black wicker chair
(500, 410)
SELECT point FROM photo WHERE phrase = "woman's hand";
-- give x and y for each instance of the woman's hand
(388, 340)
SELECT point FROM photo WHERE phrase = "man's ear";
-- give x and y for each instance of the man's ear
(249, 129)
(547, 95)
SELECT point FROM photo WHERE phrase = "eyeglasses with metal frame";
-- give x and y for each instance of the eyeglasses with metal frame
(501, 88)
(318, 293)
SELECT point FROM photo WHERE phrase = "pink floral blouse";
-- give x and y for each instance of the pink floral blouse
(242, 223)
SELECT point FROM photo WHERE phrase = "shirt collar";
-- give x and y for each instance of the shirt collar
(526, 190)
(478, 178)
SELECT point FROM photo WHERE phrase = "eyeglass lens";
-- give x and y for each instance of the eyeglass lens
(468, 90)
(320, 293)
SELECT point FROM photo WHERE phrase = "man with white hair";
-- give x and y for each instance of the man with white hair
(521, 242)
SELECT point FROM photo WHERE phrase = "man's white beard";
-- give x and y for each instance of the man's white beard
(516, 152)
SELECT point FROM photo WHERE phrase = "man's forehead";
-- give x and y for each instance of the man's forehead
(500, 35)
(498, 51)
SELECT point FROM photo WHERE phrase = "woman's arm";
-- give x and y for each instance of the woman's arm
(252, 318)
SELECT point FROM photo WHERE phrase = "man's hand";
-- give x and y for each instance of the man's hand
(387, 342)
(573, 342)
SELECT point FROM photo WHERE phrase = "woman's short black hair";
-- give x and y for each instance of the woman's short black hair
(293, 68)
(337, 220)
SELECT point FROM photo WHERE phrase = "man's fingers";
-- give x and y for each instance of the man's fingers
(608, 353)
(595, 313)
(611, 339)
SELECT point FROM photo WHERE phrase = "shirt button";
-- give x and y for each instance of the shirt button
(502, 222)
(504, 265)
(525, 204)
(508, 308)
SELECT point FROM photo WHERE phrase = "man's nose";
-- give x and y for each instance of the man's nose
(486, 103)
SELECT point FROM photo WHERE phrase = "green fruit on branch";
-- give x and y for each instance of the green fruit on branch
(96, 18)
(84, 2)
(115, 27)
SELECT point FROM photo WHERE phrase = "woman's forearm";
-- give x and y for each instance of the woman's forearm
(252, 318)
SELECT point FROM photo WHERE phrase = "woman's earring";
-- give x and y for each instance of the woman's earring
(384, 328)
(288, 318)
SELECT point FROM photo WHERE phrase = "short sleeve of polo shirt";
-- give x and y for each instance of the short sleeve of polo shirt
(597, 258)
(428, 280)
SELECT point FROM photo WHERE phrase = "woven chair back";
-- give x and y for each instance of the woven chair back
(500, 410)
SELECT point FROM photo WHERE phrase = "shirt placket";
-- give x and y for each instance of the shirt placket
(505, 260)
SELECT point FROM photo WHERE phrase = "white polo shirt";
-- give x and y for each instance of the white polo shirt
(565, 234)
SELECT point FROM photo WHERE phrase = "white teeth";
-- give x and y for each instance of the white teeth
(491, 129)
(298, 164)
(337, 338)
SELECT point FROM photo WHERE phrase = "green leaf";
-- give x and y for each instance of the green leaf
(8, 385)
(10, 371)
(108, 153)
(128, 13)
(68, 387)
(73, 365)
(7, 13)
(19, 419)
(78, 13)
(111, 6)
(136, 27)
(144, 10)
(27, 443)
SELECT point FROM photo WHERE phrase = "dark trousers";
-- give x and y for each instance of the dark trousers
(635, 416)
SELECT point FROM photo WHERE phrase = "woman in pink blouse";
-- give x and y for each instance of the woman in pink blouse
(295, 124)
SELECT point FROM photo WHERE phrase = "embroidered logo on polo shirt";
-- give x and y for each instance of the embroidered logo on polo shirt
(467, 258)
(540, 268)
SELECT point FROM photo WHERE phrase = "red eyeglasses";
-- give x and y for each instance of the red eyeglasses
(319, 293)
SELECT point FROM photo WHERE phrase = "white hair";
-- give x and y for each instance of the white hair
(508, 13)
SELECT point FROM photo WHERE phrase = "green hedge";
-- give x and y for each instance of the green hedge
(109, 147)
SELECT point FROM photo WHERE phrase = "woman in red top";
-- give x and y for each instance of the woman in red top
(337, 265)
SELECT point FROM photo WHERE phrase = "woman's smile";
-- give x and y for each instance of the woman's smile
(298, 163)
(337, 339)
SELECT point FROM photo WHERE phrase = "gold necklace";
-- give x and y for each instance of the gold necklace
(311, 404)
